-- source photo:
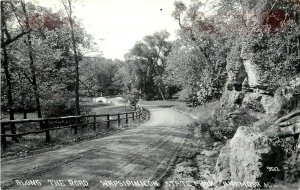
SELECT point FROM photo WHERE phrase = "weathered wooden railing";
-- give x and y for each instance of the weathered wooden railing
(64, 122)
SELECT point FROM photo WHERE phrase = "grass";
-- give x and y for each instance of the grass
(19, 116)
(162, 103)
(199, 112)
(111, 110)
(92, 105)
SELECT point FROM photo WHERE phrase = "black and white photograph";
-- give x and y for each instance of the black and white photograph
(150, 94)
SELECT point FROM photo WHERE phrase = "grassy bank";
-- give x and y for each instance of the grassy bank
(111, 109)
(199, 112)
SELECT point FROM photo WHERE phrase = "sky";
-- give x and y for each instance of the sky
(116, 25)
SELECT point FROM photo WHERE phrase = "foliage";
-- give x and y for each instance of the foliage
(133, 97)
(198, 58)
(125, 77)
(50, 48)
(278, 54)
(273, 39)
(59, 107)
(290, 167)
(98, 75)
(146, 61)
(225, 121)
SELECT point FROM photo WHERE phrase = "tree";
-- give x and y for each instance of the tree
(184, 69)
(49, 50)
(150, 57)
(32, 65)
(269, 41)
(68, 9)
(98, 75)
(126, 77)
(199, 55)
(6, 40)
(43, 50)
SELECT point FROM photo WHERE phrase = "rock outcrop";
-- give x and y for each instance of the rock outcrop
(248, 157)
(223, 173)
(249, 82)
(250, 154)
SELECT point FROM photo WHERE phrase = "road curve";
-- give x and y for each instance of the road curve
(139, 154)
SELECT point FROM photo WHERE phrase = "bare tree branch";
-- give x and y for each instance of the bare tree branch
(287, 117)
(9, 41)
(27, 77)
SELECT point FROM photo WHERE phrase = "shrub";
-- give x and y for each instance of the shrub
(58, 107)
(291, 165)
(225, 121)
(133, 97)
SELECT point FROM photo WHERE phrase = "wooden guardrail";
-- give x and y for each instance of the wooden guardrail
(48, 124)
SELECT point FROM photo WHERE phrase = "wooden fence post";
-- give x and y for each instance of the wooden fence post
(119, 120)
(3, 138)
(126, 118)
(81, 125)
(295, 144)
(14, 131)
(94, 123)
(76, 127)
(46, 126)
(108, 121)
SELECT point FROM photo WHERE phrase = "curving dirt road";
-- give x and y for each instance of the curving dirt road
(139, 156)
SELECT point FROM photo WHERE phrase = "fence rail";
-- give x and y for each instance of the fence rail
(64, 122)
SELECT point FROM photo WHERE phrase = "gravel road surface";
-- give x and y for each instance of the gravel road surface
(138, 156)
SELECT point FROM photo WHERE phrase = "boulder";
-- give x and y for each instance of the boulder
(252, 101)
(247, 153)
(232, 98)
(235, 69)
(247, 157)
(272, 105)
(279, 103)
(245, 85)
(294, 85)
(254, 74)
(222, 165)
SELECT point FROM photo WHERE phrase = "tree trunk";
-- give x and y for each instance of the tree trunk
(76, 61)
(32, 66)
(77, 76)
(34, 81)
(24, 106)
(9, 91)
(161, 93)
(5, 64)
(24, 114)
